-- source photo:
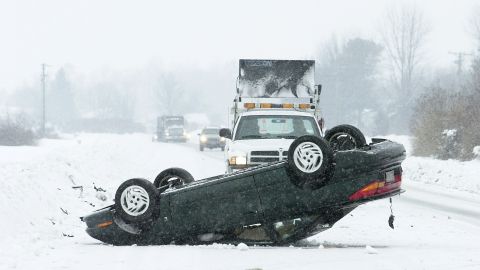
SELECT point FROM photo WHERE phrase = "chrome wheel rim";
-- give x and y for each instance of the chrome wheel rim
(135, 200)
(308, 157)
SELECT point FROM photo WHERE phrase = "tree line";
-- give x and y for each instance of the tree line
(378, 84)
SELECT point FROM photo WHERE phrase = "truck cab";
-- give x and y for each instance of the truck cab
(171, 129)
(261, 136)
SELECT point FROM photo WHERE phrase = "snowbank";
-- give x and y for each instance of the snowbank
(451, 174)
(476, 152)
(45, 189)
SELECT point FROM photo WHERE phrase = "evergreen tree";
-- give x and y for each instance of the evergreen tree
(348, 75)
(60, 105)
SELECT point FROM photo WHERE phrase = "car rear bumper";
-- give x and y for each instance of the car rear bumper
(372, 198)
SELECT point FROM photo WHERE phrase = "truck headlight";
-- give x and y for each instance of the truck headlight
(238, 160)
(203, 138)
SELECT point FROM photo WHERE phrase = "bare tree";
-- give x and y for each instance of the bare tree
(168, 94)
(475, 24)
(475, 31)
(403, 33)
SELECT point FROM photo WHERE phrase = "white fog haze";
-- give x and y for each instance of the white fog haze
(126, 48)
(256, 134)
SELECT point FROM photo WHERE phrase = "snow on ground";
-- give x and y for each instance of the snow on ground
(450, 174)
(37, 182)
(437, 222)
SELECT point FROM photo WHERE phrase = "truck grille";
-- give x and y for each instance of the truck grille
(176, 131)
(260, 157)
(264, 153)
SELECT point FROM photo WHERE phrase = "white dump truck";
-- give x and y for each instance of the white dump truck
(277, 101)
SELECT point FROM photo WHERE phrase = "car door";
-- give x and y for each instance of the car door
(217, 205)
(280, 198)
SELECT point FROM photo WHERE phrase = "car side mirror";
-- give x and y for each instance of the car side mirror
(225, 133)
(321, 124)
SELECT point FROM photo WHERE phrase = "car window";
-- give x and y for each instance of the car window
(211, 131)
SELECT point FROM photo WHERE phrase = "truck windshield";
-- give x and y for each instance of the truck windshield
(174, 122)
(275, 127)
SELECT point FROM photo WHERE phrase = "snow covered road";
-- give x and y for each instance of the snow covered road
(456, 204)
(437, 223)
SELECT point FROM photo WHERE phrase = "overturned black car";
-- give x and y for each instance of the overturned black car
(322, 180)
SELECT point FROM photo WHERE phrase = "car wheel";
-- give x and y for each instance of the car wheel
(135, 200)
(345, 137)
(310, 159)
(172, 177)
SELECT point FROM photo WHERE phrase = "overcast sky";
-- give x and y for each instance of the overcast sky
(94, 35)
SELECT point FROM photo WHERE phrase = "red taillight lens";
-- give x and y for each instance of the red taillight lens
(366, 191)
(377, 187)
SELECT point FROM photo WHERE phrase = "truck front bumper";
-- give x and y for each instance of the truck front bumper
(176, 138)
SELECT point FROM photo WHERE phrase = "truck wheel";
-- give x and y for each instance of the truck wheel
(345, 137)
(135, 200)
(172, 177)
(310, 159)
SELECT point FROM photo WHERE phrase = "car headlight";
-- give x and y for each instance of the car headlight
(203, 138)
(238, 160)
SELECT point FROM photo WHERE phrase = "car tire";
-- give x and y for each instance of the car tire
(136, 200)
(163, 177)
(345, 137)
(310, 161)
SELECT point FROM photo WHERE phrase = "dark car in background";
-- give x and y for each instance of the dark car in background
(209, 138)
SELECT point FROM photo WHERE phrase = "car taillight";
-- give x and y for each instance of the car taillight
(104, 224)
(378, 187)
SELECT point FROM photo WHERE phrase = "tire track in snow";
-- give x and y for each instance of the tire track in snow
(466, 209)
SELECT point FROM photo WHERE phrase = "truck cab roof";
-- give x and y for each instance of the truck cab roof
(275, 112)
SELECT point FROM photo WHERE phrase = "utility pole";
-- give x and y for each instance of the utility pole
(44, 75)
(460, 60)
